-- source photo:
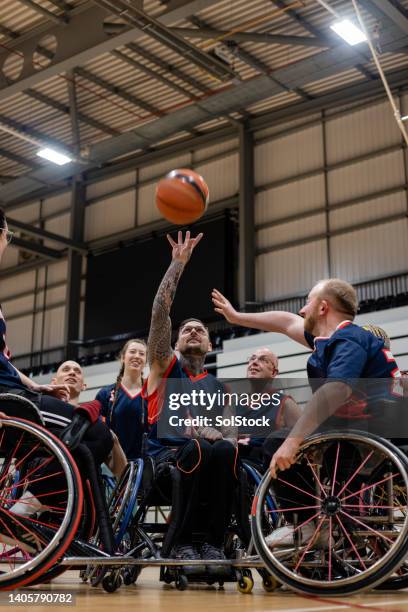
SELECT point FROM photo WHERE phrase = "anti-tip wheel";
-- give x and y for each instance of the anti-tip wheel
(270, 584)
(245, 585)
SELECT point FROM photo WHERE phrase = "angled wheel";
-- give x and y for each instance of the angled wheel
(121, 504)
(347, 526)
(35, 465)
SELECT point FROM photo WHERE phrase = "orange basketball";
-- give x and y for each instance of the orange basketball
(182, 196)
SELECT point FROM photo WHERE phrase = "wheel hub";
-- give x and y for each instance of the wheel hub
(331, 506)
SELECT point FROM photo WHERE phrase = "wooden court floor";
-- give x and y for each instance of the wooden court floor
(153, 596)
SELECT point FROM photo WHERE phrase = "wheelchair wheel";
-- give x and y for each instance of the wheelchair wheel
(35, 464)
(399, 579)
(121, 505)
(347, 527)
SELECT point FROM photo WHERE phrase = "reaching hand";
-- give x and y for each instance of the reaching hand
(223, 306)
(59, 391)
(285, 456)
(182, 249)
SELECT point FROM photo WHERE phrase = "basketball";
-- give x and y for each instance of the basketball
(182, 196)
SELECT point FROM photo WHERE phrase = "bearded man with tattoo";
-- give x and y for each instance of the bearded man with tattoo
(206, 459)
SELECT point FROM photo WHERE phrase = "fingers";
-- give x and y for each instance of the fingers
(197, 239)
(170, 239)
(273, 468)
(180, 237)
(217, 295)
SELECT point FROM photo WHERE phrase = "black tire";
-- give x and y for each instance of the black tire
(380, 564)
(181, 582)
(32, 448)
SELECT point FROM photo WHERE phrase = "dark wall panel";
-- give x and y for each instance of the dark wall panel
(121, 284)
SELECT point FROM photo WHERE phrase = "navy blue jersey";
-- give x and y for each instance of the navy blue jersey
(350, 354)
(9, 376)
(176, 378)
(127, 418)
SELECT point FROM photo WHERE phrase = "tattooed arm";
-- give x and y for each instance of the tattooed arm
(159, 348)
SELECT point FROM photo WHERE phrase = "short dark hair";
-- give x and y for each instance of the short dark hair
(2, 218)
(183, 323)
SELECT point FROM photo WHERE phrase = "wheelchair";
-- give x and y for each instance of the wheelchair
(35, 464)
(159, 488)
(346, 502)
(111, 540)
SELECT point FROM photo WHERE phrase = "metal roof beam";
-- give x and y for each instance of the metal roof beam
(60, 19)
(19, 159)
(134, 15)
(83, 39)
(392, 12)
(41, 233)
(167, 67)
(251, 60)
(231, 99)
(117, 91)
(24, 267)
(59, 106)
(36, 249)
(7, 32)
(151, 73)
(257, 37)
(30, 131)
(365, 90)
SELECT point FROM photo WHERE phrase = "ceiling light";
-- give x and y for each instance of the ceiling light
(54, 156)
(349, 32)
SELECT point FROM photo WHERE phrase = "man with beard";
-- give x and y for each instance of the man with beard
(342, 351)
(282, 412)
(205, 459)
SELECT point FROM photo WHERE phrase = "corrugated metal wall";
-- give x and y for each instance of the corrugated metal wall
(318, 188)
(331, 195)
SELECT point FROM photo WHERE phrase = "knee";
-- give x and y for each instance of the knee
(193, 455)
(223, 451)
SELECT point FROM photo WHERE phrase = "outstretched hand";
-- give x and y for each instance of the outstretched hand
(223, 306)
(182, 249)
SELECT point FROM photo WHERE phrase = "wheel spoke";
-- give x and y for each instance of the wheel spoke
(351, 542)
(367, 487)
(311, 541)
(356, 472)
(375, 531)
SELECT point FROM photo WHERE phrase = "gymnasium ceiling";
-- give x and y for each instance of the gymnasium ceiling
(110, 79)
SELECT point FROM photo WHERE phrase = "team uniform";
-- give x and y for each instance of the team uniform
(127, 417)
(208, 469)
(353, 354)
(350, 355)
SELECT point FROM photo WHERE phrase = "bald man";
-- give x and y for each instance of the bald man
(71, 374)
(282, 412)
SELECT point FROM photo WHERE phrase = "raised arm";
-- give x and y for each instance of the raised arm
(159, 348)
(275, 321)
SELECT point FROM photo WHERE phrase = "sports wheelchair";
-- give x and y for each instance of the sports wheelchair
(76, 526)
(345, 501)
(351, 489)
(157, 489)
